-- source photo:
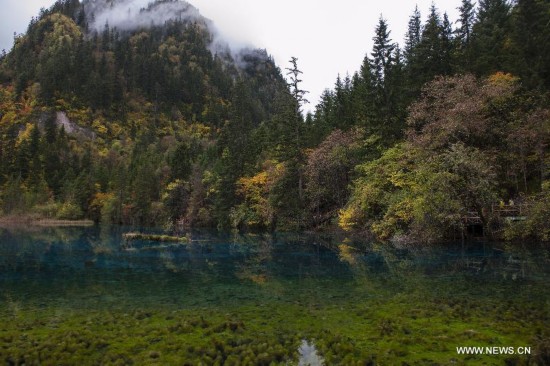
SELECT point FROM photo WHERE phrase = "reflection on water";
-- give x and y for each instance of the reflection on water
(269, 294)
(308, 355)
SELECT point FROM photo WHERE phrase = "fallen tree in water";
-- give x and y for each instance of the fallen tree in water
(154, 237)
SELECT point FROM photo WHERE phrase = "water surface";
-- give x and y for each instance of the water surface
(76, 296)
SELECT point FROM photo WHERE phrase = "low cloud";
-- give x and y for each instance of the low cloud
(130, 15)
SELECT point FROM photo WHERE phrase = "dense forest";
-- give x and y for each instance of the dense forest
(161, 124)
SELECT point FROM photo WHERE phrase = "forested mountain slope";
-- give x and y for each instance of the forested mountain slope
(147, 117)
(154, 101)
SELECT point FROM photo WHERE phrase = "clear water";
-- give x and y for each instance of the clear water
(75, 296)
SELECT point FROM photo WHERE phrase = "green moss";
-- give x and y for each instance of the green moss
(267, 335)
(419, 323)
(128, 237)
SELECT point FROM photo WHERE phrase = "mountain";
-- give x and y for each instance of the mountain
(99, 52)
(138, 114)
(106, 96)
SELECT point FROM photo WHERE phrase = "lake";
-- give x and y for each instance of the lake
(77, 296)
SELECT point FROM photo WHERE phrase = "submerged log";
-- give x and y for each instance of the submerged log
(154, 237)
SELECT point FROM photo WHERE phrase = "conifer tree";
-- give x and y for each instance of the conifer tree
(323, 118)
(447, 46)
(412, 38)
(463, 36)
(491, 38)
(429, 49)
(343, 108)
(466, 20)
(531, 35)
(382, 53)
(298, 96)
(385, 65)
(364, 95)
(413, 63)
(35, 165)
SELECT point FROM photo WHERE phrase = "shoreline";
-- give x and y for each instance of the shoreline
(35, 222)
(42, 222)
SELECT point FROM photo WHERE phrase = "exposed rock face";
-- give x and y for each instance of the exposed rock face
(71, 128)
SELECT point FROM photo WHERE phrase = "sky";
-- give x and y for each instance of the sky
(329, 38)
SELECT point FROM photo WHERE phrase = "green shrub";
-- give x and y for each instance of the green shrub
(69, 211)
(48, 210)
(536, 225)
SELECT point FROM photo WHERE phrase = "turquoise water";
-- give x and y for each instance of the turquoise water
(75, 296)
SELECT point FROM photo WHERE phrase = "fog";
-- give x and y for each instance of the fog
(133, 14)
(129, 15)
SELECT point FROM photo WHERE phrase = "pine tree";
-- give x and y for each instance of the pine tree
(412, 38)
(463, 36)
(22, 162)
(298, 96)
(491, 38)
(413, 63)
(53, 145)
(181, 162)
(531, 35)
(385, 68)
(430, 46)
(466, 19)
(237, 149)
(323, 117)
(36, 170)
(447, 46)
(364, 96)
(237, 134)
(382, 53)
(343, 113)
(397, 98)
(9, 152)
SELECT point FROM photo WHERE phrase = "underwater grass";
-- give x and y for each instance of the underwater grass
(399, 329)
(214, 302)
(154, 237)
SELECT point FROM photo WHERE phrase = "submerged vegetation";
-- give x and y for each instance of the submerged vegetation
(153, 237)
(254, 335)
(263, 300)
(161, 124)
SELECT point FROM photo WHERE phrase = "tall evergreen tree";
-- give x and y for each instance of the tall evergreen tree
(413, 63)
(447, 46)
(531, 35)
(364, 94)
(491, 38)
(298, 96)
(466, 19)
(463, 35)
(382, 53)
(343, 109)
(385, 68)
(36, 173)
(412, 38)
(323, 117)
(430, 49)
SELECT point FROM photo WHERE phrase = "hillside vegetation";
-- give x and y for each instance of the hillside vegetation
(152, 122)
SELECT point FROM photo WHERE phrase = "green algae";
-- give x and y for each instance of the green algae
(271, 334)
(128, 237)
(252, 311)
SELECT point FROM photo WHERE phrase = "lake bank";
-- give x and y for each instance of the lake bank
(33, 220)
